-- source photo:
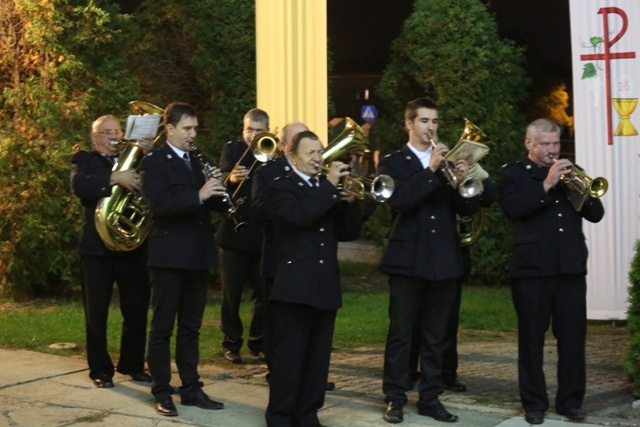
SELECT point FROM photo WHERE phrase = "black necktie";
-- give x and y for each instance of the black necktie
(113, 159)
(187, 160)
(313, 181)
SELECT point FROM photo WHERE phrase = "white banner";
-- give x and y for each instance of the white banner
(605, 41)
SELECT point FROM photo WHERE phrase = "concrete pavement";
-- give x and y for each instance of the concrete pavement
(37, 389)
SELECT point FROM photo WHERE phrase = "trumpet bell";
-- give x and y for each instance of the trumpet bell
(379, 188)
(598, 187)
(382, 188)
(470, 187)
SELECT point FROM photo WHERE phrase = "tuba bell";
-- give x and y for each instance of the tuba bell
(123, 219)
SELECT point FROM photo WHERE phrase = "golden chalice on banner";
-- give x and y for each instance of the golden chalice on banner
(625, 107)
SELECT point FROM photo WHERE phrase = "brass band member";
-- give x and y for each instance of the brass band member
(239, 247)
(181, 253)
(548, 271)
(423, 259)
(309, 218)
(91, 180)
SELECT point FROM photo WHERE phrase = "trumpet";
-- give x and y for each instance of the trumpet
(446, 168)
(581, 186)
(208, 171)
(379, 188)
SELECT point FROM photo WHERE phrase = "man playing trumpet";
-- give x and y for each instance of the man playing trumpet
(548, 271)
(423, 259)
(309, 216)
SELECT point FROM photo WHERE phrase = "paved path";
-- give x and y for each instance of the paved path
(53, 391)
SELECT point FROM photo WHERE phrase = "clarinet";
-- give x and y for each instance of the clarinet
(208, 171)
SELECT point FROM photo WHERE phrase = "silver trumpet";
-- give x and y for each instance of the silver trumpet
(379, 188)
(447, 170)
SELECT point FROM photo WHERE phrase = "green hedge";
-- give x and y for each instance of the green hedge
(632, 358)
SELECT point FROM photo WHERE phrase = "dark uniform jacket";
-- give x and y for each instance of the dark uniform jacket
(547, 233)
(265, 173)
(308, 223)
(182, 233)
(249, 238)
(90, 177)
(423, 241)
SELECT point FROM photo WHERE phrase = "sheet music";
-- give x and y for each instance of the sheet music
(142, 127)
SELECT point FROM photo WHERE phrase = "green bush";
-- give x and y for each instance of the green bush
(632, 357)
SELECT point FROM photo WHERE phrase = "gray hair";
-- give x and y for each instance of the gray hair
(539, 126)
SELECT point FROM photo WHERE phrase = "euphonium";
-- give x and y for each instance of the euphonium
(352, 140)
(123, 219)
(581, 186)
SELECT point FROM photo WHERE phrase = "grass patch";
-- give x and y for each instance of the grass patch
(486, 314)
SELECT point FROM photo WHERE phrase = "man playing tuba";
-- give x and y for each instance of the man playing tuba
(92, 179)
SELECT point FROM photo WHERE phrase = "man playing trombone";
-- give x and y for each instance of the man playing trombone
(239, 242)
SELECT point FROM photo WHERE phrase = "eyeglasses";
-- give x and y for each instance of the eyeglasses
(111, 132)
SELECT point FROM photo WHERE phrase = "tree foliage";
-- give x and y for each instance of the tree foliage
(451, 53)
(60, 63)
(201, 52)
(63, 63)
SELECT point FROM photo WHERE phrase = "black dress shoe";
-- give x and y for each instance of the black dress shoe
(574, 414)
(232, 356)
(103, 382)
(455, 386)
(534, 417)
(166, 407)
(330, 386)
(259, 355)
(393, 413)
(435, 410)
(201, 400)
(141, 376)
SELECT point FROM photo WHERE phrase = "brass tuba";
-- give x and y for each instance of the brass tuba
(123, 220)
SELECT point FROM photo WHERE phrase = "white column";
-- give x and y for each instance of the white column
(291, 48)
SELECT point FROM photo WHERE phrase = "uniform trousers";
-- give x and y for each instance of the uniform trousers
(237, 268)
(450, 352)
(181, 294)
(129, 271)
(560, 300)
(412, 300)
(300, 356)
